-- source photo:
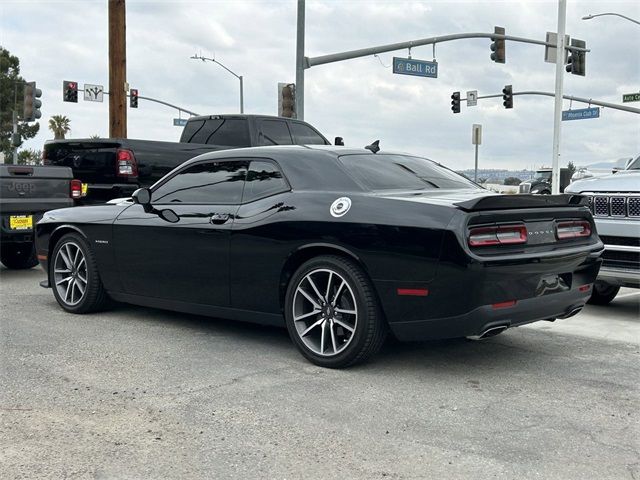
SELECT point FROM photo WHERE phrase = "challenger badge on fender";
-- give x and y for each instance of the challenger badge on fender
(340, 206)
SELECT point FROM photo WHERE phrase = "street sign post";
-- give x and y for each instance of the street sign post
(417, 68)
(631, 97)
(476, 139)
(581, 114)
(93, 93)
(472, 98)
(179, 122)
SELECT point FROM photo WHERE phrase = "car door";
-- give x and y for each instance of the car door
(186, 260)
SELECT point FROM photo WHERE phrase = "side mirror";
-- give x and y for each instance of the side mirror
(142, 196)
(169, 215)
(339, 141)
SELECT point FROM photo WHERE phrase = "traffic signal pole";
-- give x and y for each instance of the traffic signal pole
(300, 62)
(117, 69)
(557, 109)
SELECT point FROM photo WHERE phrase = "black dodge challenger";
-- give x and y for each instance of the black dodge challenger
(340, 245)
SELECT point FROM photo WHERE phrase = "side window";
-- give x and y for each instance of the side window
(213, 182)
(206, 131)
(305, 135)
(274, 132)
(233, 132)
(190, 129)
(263, 179)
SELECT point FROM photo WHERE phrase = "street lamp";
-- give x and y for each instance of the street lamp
(239, 77)
(589, 17)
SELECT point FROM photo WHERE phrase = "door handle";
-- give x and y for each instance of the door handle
(219, 218)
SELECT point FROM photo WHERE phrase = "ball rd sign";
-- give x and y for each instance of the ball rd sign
(417, 68)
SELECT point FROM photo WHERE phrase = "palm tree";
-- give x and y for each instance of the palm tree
(60, 126)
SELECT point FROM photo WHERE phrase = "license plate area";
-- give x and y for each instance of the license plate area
(550, 284)
(21, 222)
(539, 233)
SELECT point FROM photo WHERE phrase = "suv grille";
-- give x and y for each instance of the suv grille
(614, 205)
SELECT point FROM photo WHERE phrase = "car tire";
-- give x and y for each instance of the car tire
(332, 313)
(603, 293)
(74, 276)
(19, 256)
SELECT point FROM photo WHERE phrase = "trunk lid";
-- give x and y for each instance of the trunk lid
(33, 189)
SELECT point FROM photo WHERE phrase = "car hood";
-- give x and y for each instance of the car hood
(105, 213)
(623, 181)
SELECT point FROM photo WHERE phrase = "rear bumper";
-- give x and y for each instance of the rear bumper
(479, 320)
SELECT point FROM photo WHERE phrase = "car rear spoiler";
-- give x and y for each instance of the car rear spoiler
(502, 202)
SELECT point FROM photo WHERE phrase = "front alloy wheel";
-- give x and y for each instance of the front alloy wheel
(332, 313)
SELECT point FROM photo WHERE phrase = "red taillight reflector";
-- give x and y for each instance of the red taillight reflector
(76, 188)
(574, 229)
(414, 292)
(508, 304)
(497, 235)
(42, 257)
(126, 165)
(585, 288)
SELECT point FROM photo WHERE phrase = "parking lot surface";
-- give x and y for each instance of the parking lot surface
(147, 394)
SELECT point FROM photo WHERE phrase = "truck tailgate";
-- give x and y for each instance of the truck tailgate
(34, 189)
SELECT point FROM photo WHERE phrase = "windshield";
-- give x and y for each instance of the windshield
(635, 165)
(543, 176)
(401, 172)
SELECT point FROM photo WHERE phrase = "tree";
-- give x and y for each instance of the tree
(572, 168)
(11, 98)
(94, 136)
(60, 126)
(30, 157)
(512, 181)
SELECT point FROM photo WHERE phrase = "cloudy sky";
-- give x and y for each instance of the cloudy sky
(360, 100)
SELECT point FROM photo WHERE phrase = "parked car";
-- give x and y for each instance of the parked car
(541, 182)
(337, 244)
(116, 167)
(28, 192)
(614, 201)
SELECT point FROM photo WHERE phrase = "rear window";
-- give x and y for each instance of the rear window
(305, 135)
(231, 132)
(400, 172)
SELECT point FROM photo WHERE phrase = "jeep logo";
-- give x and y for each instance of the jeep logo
(21, 187)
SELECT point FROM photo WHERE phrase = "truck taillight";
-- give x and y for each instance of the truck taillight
(573, 229)
(45, 157)
(126, 165)
(497, 235)
(76, 188)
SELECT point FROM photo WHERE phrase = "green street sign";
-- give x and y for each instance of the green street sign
(631, 97)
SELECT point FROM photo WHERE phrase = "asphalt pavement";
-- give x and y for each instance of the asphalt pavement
(138, 393)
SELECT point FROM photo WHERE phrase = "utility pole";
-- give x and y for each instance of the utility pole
(300, 62)
(117, 69)
(557, 111)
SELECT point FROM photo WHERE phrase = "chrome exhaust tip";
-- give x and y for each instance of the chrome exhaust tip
(489, 332)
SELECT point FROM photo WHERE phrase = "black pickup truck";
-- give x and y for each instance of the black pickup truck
(26, 193)
(116, 167)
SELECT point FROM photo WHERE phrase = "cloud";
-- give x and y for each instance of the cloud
(359, 99)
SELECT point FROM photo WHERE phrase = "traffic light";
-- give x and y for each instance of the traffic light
(455, 102)
(507, 96)
(287, 100)
(133, 98)
(577, 61)
(70, 91)
(498, 46)
(31, 108)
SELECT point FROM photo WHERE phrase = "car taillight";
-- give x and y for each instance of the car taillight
(76, 188)
(126, 165)
(574, 229)
(497, 235)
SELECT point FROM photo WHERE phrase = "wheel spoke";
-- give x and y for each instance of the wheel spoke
(84, 280)
(67, 260)
(329, 285)
(62, 270)
(322, 335)
(315, 289)
(80, 287)
(309, 297)
(315, 311)
(308, 329)
(80, 262)
(337, 295)
(349, 312)
(343, 325)
(69, 289)
(65, 279)
(333, 338)
(75, 258)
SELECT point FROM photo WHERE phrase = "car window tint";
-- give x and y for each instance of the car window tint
(274, 132)
(214, 182)
(206, 130)
(263, 179)
(190, 129)
(232, 132)
(305, 135)
(400, 172)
